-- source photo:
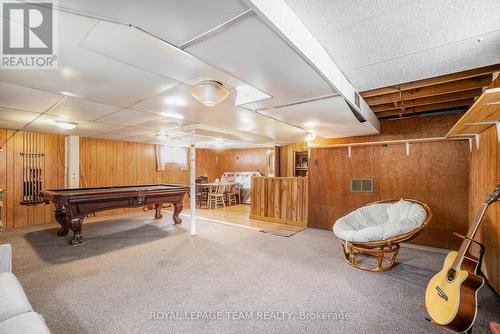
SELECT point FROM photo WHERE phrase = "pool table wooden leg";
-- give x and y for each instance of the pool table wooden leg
(158, 208)
(63, 219)
(177, 210)
(76, 227)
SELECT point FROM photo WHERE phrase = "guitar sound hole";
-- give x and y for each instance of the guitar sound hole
(451, 274)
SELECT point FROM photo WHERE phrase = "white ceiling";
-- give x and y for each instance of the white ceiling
(266, 62)
(133, 83)
(321, 117)
(381, 43)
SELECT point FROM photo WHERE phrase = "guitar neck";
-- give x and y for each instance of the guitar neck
(470, 235)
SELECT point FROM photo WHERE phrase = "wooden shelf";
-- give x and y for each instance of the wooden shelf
(481, 115)
(390, 142)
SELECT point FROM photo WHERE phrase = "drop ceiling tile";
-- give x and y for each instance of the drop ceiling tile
(82, 109)
(179, 102)
(329, 117)
(23, 98)
(92, 129)
(139, 49)
(88, 75)
(123, 133)
(258, 56)
(129, 117)
(164, 124)
(18, 116)
(11, 125)
(47, 123)
(174, 21)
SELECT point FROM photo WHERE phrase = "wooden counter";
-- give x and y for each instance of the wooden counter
(279, 200)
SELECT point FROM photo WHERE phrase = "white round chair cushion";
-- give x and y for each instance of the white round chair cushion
(378, 222)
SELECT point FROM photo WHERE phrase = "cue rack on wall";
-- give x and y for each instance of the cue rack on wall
(33, 162)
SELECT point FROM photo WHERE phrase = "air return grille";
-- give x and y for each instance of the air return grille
(362, 185)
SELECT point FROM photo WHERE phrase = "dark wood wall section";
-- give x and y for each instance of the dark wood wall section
(11, 177)
(484, 175)
(434, 173)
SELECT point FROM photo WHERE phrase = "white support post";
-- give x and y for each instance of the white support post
(349, 151)
(72, 160)
(470, 144)
(408, 148)
(497, 123)
(192, 182)
(477, 141)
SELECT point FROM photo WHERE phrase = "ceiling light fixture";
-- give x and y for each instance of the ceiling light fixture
(210, 92)
(310, 137)
(66, 125)
(161, 136)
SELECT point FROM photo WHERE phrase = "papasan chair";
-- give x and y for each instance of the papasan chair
(375, 230)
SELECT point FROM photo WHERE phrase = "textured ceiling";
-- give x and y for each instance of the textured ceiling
(381, 43)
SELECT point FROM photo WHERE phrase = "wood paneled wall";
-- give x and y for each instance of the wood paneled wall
(243, 160)
(11, 178)
(206, 163)
(484, 176)
(287, 158)
(434, 173)
(110, 162)
(280, 200)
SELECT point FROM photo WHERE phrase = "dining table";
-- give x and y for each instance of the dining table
(207, 185)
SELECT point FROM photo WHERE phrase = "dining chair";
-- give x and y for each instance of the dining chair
(202, 195)
(216, 195)
(232, 194)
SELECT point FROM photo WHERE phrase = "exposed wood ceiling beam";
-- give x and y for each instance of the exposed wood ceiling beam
(430, 107)
(432, 81)
(444, 88)
(429, 100)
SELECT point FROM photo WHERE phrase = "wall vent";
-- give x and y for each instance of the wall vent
(362, 185)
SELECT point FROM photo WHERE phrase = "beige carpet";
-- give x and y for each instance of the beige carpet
(128, 268)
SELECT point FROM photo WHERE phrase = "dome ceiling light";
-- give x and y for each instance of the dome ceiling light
(66, 125)
(210, 92)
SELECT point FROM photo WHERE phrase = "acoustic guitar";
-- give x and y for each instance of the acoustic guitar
(451, 295)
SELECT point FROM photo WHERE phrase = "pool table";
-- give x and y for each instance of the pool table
(72, 205)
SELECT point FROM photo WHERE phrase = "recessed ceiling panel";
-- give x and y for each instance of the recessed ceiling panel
(329, 117)
(22, 98)
(172, 20)
(254, 53)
